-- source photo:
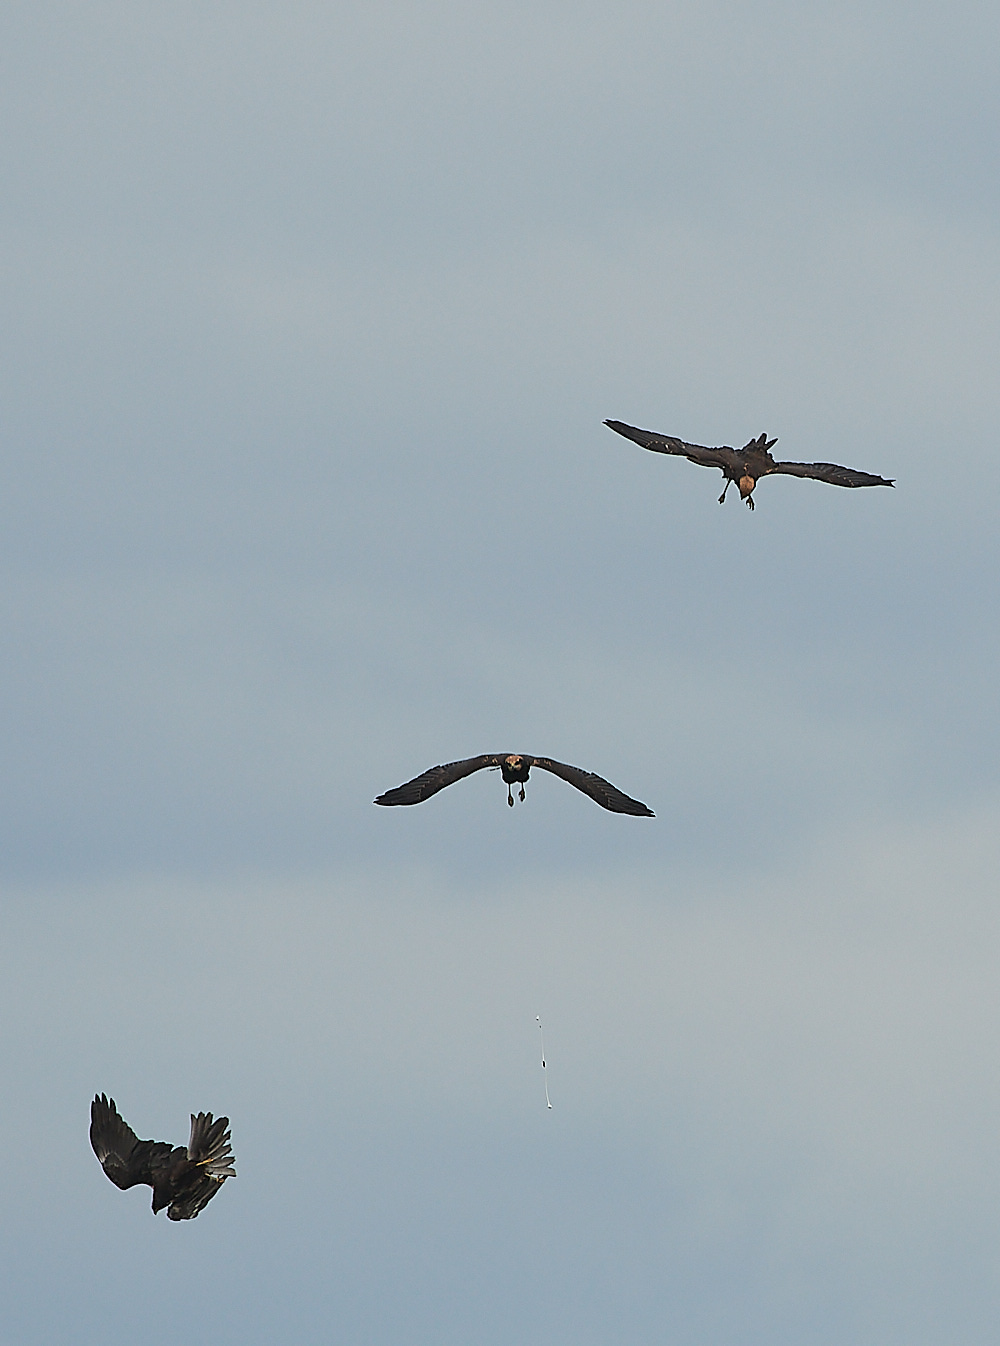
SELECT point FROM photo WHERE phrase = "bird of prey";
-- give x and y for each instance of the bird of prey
(514, 768)
(746, 466)
(183, 1178)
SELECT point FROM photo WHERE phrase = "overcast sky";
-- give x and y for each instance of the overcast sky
(312, 314)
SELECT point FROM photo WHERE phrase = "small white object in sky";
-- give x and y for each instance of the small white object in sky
(539, 1023)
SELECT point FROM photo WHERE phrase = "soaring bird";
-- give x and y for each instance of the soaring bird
(514, 767)
(746, 466)
(184, 1179)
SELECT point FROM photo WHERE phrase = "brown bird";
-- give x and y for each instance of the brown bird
(746, 466)
(184, 1179)
(514, 767)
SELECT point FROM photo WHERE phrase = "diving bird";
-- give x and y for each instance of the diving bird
(746, 466)
(184, 1179)
(514, 767)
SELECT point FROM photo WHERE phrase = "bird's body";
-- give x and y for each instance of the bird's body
(514, 768)
(183, 1178)
(746, 466)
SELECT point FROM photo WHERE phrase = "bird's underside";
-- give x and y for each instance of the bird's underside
(514, 767)
(183, 1178)
(746, 466)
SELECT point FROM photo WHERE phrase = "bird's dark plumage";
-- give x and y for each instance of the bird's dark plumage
(747, 465)
(514, 768)
(183, 1178)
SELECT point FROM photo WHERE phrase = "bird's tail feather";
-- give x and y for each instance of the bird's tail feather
(209, 1145)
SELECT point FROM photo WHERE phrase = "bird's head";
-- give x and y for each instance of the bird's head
(515, 768)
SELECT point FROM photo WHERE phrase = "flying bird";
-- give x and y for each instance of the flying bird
(514, 767)
(184, 1179)
(746, 466)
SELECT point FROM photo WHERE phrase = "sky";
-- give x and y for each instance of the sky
(313, 313)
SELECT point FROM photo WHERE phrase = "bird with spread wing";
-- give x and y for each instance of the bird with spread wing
(183, 1178)
(746, 466)
(514, 767)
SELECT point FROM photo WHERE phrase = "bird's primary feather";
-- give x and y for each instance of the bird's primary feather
(430, 782)
(600, 790)
(722, 457)
(830, 472)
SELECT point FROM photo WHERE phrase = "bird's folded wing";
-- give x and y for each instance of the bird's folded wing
(830, 472)
(427, 784)
(601, 791)
(722, 458)
(194, 1198)
(209, 1145)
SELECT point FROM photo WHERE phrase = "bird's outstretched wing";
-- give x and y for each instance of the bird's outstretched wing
(422, 787)
(209, 1146)
(724, 457)
(600, 790)
(831, 472)
(125, 1158)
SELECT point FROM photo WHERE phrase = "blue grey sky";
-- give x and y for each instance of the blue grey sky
(312, 316)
